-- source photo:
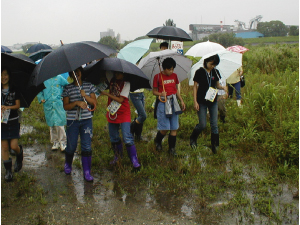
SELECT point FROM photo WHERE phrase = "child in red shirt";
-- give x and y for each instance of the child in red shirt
(165, 87)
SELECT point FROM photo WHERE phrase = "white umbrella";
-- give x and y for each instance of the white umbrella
(150, 64)
(204, 48)
(229, 62)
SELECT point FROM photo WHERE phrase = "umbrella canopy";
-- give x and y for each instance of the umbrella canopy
(150, 65)
(37, 47)
(169, 33)
(5, 49)
(67, 58)
(39, 54)
(229, 62)
(134, 50)
(134, 75)
(21, 68)
(237, 48)
(203, 48)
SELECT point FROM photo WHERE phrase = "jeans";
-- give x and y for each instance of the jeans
(84, 128)
(237, 87)
(138, 100)
(125, 129)
(213, 112)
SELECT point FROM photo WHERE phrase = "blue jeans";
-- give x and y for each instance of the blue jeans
(213, 112)
(84, 128)
(125, 129)
(237, 87)
(138, 100)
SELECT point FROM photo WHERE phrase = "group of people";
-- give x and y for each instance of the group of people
(79, 98)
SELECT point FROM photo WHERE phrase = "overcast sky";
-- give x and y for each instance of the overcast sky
(49, 21)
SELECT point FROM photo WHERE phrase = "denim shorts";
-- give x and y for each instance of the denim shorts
(164, 122)
(11, 130)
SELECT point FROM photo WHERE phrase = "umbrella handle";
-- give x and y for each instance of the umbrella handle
(92, 110)
(162, 100)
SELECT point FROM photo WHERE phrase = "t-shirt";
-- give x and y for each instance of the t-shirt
(72, 91)
(120, 88)
(205, 81)
(8, 98)
(169, 82)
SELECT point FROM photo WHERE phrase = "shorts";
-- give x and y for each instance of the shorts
(11, 130)
(164, 122)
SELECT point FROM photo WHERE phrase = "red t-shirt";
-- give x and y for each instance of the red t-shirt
(169, 82)
(120, 88)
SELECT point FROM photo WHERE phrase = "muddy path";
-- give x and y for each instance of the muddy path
(42, 194)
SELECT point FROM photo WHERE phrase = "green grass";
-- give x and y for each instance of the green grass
(259, 146)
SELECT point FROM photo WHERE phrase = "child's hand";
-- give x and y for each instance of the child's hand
(164, 94)
(82, 92)
(82, 104)
(182, 105)
(196, 106)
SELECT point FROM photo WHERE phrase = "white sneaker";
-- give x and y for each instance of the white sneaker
(55, 146)
(63, 146)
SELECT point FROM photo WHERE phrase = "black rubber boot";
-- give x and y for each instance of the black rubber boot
(133, 126)
(222, 119)
(8, 174)
(214, 143)
(138, 131)
(172, 143)
(158, 140)
(193, 138)
(19, 160)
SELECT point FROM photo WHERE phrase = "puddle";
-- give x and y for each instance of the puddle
(32, 159)
(25, 129)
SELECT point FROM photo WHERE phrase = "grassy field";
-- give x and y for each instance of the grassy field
(259, 146)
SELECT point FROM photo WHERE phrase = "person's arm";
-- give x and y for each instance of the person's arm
(180, 98)
(119, 99)
(91, 99)
(13, 107)
(219, 86)
(196, 105)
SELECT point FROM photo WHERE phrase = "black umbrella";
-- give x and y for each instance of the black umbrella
(67, 58)
(39, 54)
(133, 74)
(37, 47)
(169, 33)
(5, 49)
(21, 68)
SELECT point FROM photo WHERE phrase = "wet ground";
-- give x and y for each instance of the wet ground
(71, 200)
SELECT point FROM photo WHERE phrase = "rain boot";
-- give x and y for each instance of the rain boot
(132, 154)
(239, 103)
(222, 119)
(68, 163)
(193, 138)
(86, 160)
(172, 143)
(157, 141)
(118, 150)
(19, 160)
(8, 174)
(138, 131)
(133, 126)
(214, 143)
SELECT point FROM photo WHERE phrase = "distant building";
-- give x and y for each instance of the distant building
(109, 32)
(200, 31)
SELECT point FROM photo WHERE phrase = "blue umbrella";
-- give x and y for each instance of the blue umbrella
(5, 49)
(37, 47)
(134, 50)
